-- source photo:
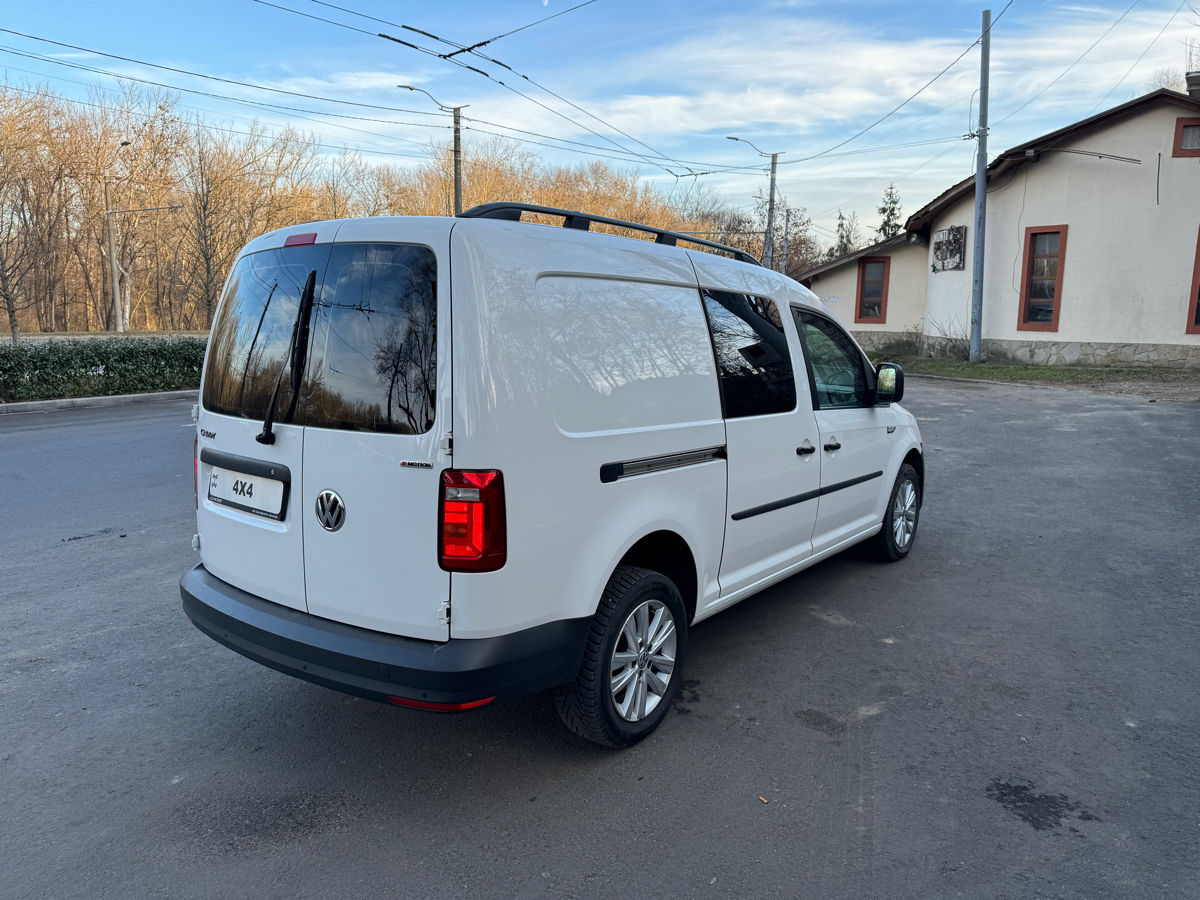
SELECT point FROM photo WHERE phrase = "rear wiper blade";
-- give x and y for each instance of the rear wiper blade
(297, 350)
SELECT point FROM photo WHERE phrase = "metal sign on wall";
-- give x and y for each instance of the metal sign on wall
(949, 248)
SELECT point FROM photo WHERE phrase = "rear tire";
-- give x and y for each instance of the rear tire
(900, 517)
(632, 664)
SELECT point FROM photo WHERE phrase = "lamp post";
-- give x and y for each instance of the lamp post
(457, 110)
(117, 324)
(769, 242)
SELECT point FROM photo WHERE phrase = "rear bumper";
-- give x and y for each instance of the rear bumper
(382, 666)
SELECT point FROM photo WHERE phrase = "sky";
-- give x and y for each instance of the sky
(652, 87)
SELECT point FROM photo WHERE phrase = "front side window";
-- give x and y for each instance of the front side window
(374, 328)
(754, 366)
(837, 371)
(872, 289)
(1041, 288)
(1187, 137)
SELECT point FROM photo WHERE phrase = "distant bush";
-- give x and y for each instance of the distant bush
(99, 366)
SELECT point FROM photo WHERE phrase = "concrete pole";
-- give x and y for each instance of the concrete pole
(769, 243)
(117, 323)
(787, 238)
(457, 161)
(981, 164)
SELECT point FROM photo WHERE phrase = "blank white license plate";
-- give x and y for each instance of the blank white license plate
(251, 493)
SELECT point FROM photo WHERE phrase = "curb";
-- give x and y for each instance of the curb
(80, 402)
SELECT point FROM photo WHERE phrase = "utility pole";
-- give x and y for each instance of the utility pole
(457, 110)
(457, 160)
(981, 164)
(117, 324)
(787, 238)
(769, 243)
(769, 239)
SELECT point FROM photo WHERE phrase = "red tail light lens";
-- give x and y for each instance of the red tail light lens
(196, 470)
(472, 533)
(440, 707)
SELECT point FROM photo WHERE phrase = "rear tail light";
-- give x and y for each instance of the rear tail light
(472, 535)
(196, 470)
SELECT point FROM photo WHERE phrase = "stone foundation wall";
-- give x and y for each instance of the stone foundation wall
(1084, 353)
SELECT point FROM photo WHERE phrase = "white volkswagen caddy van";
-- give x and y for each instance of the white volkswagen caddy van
(447, 461)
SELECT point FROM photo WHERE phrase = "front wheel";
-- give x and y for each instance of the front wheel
(901, 516)
(632, 665)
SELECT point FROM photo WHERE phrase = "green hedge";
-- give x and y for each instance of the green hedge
(99, 366)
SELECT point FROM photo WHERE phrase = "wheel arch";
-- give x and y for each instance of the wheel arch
(667, 552)
(917, 461)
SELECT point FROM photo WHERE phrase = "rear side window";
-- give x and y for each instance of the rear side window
(373, 365)
(753, 362)
(250, 337)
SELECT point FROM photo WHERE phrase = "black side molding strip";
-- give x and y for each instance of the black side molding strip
(246, 464)
(610, 472)
(801, 498)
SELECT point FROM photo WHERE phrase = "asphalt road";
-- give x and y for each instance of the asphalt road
(1011, 712)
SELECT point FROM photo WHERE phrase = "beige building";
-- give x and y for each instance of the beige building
(1092, 249)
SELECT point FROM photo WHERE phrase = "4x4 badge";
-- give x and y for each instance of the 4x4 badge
(331, 511)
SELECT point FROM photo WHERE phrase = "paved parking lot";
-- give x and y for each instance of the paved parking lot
(1011, 712)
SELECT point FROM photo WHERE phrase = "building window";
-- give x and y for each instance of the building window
(872, 289)
(1193, 326)
(1187, 137)
(1041, 286)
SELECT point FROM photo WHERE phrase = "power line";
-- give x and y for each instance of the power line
(1153, 41)
(912, 97)
(266, 132)
(243, 101)
(473, 50)
(1078, 59)
(436, 55)
(258, 87)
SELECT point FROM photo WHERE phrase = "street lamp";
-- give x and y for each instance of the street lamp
(457, 141)
(769, 242)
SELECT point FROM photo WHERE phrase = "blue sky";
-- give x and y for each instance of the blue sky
(798, 77)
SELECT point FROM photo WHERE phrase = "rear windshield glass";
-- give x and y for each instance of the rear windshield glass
(249, 341)
(373, 333)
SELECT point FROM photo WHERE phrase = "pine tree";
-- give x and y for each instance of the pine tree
(849, 236)
(889, 211)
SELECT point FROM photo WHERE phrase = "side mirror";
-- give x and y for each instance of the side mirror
(889, 383)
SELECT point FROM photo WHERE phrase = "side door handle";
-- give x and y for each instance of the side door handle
(805, 449)
(833, 445)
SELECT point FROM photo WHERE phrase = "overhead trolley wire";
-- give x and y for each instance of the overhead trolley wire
(1078, 59)
(1153, 41)
(461, 64)
(911, 97)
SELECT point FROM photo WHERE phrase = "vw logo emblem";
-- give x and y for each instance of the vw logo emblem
(331, 511)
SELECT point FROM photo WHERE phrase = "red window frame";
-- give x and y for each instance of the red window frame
(858, 298)
(1023, 324)
(1193, 322)
(1180, 124)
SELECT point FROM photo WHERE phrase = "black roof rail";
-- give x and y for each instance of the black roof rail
(583, 221)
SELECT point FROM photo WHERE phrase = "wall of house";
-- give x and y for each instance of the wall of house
(1131, 248)
(948, 296)
(906, 295)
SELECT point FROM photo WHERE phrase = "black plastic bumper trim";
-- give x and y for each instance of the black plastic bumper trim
(801, 498)
(379, 666)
